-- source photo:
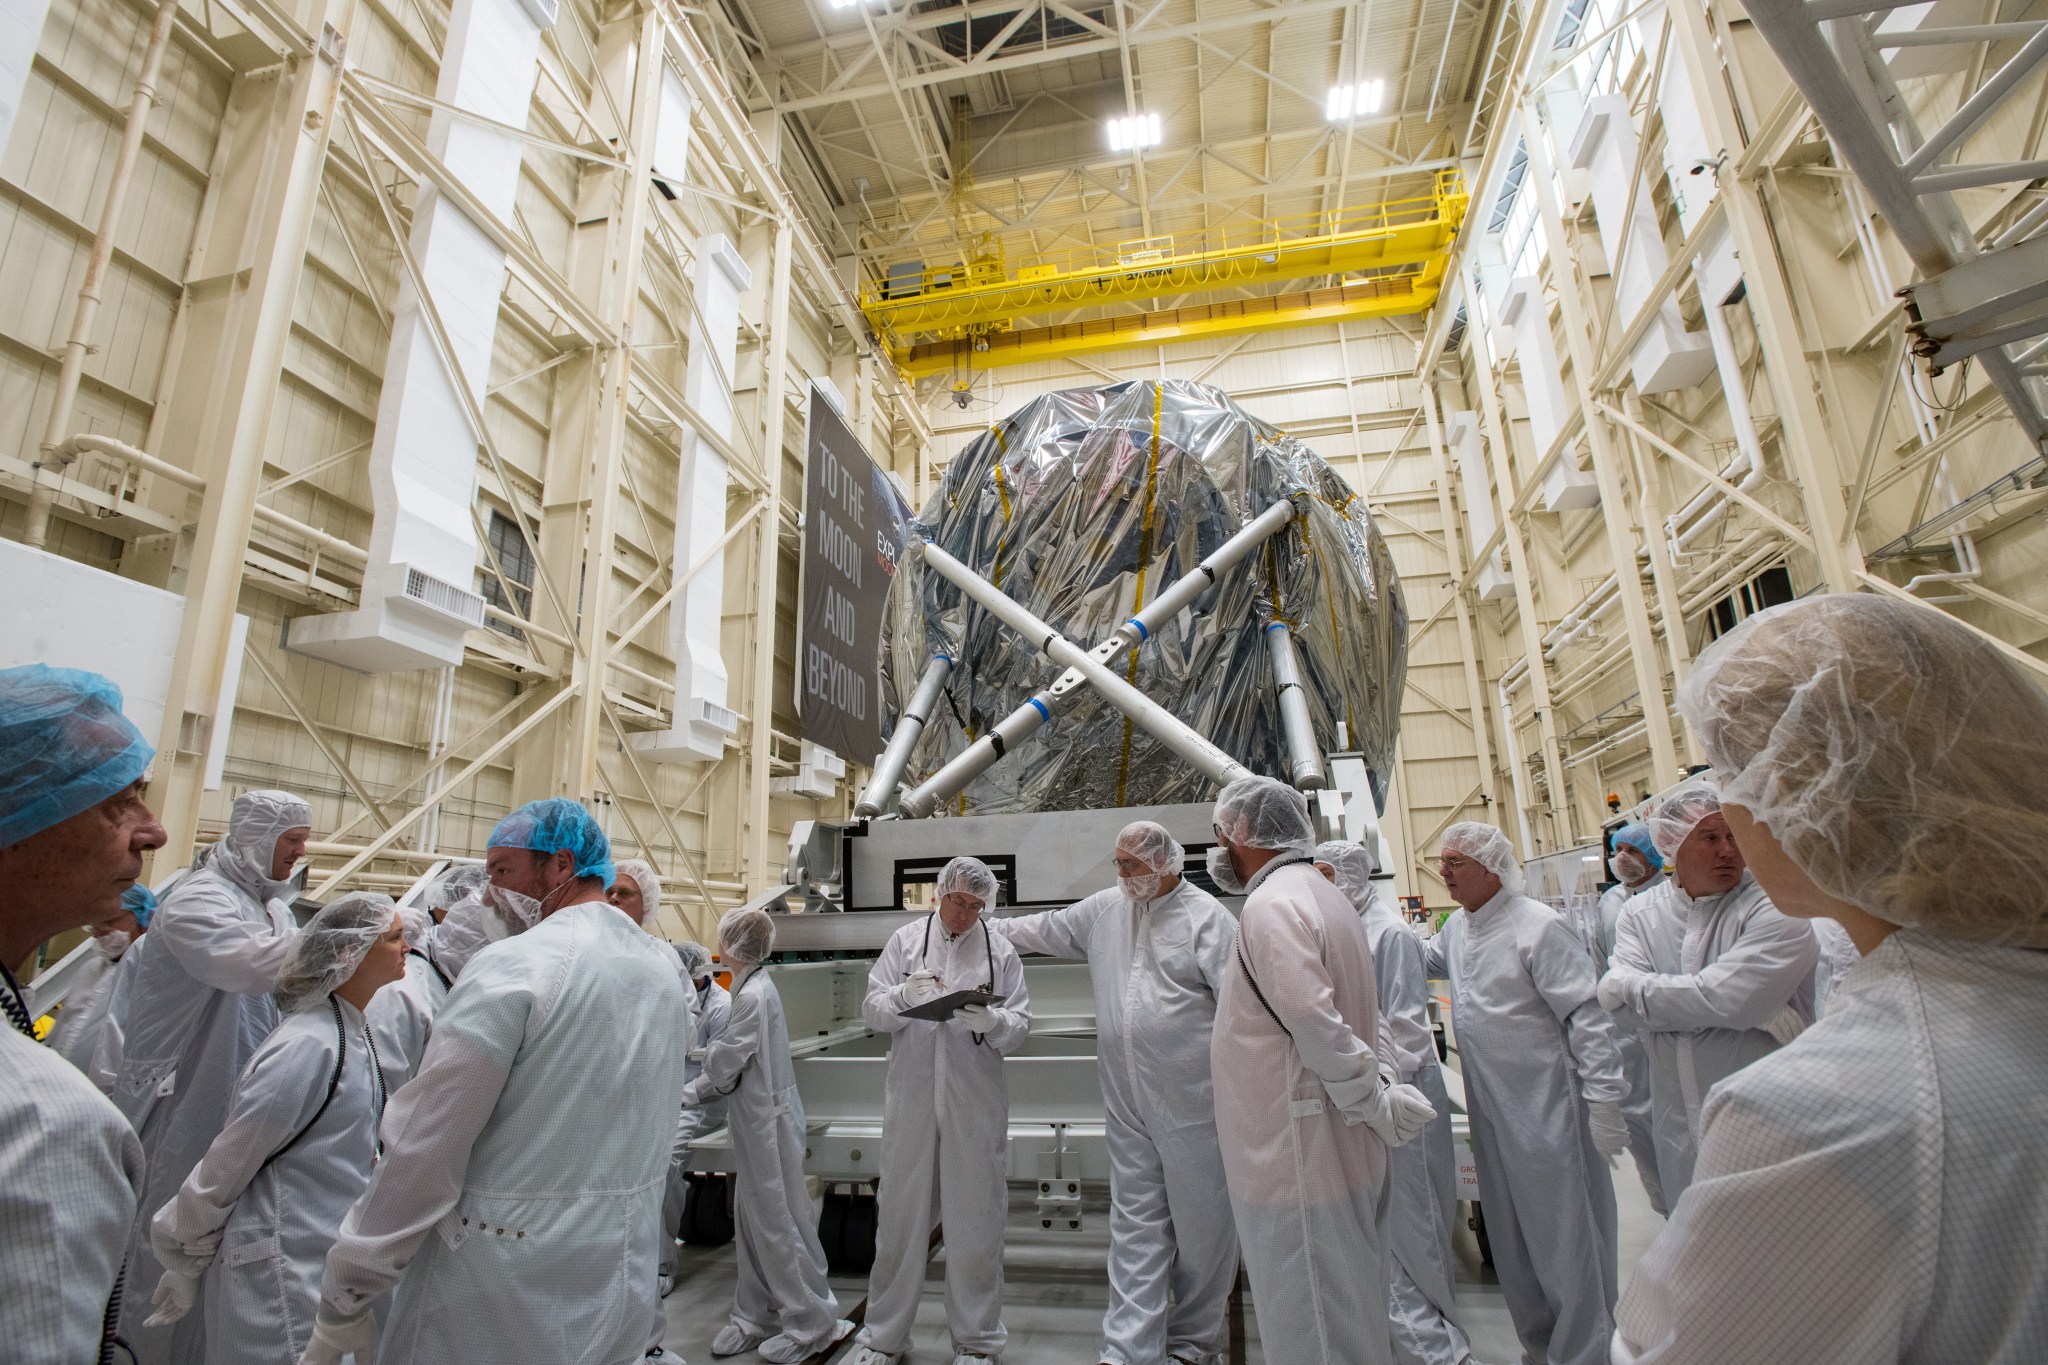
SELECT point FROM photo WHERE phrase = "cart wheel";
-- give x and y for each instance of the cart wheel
(846, 1230)
(707, 1211)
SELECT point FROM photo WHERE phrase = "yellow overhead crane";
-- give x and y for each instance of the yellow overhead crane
(946, 318)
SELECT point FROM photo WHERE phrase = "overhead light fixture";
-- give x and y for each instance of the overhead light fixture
(1347, 101)
(1131, 134)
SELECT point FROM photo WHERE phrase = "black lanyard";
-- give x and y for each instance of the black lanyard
(16, 1004)
(924, 954)
(428, 958)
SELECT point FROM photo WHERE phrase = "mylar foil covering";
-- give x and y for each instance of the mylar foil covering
(1083, 504)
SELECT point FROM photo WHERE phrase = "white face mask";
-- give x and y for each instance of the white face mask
(111, 946)
(1142, 890)
(1223, 871)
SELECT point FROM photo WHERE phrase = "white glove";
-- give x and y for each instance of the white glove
(1396, 1112)
(919, 988)
(335, 1337)
(1610, 1134)
(176, 1292)
(1786, 1025)
(978, 1018)
(1614, 988)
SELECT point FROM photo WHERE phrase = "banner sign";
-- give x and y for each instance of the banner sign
(853, 536)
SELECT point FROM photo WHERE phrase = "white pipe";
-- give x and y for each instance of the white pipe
(889, 767)
(1219, 767)
(63, 403)
(1507, 731)
(1304, 761)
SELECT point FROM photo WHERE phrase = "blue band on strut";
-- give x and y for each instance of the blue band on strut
(1045, 716)
(1143, 634)
(1277, 625)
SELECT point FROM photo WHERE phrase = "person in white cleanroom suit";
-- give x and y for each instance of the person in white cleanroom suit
(1305, 1106)
(199, 1005)
(1157, 949)
(1876, 1190)
(402, 1018)
(945, 1118)
(636, 890)
(1706, 969)
(248, 1233)
(88, 1004)
(1543, 1091)
(712, 1007)
(73, 829)
(781, 1266)
(515, 1209)
(1422, 1176)
(1640, 868)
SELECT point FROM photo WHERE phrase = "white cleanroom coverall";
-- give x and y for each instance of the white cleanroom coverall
(278, 1209)
(1422, 1176)
(517, 1203)
(1837, 955)
(70, 1178)
(198, 1008)
(1635, 1054)
(76, 1034)
(1714, 971)
(781, 1264)
(402, 1015)
(1877, 1189)
(1536, 1048)
(1156, 970)
(710, 1010)
(945, 1135)
(1305, 1177)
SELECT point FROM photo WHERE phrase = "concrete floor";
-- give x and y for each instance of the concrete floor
(1054, 1291)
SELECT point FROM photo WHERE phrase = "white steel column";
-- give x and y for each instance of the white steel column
(775, 406)
(1805, 433)
(1614, 520)
(250, 264)
(1560, 827)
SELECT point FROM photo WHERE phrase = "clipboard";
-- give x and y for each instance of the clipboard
(939, 1010)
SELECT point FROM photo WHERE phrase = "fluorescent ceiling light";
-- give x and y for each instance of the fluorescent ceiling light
(1345, 101)
(1130, 134)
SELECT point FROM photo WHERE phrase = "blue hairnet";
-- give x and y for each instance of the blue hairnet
(558, 825)
(1637, 836)
(65, 747)
(139, 901)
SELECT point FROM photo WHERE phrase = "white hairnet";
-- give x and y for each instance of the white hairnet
(745, 935)
(1900, 759)
(644, 877)
(463, 935)
(457, 884)
(696, 959)
(971, 877)
(1674, 815)
(1353, 865)
(1259, 812)
(1488, 847)
(418, 924)
(255, 823)
(1151, 844)
(326, 953)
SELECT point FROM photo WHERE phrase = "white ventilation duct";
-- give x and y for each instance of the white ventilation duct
(1468, 455)
(1668, 357)
(1524, 335)
(417, 601)
(702, 720)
